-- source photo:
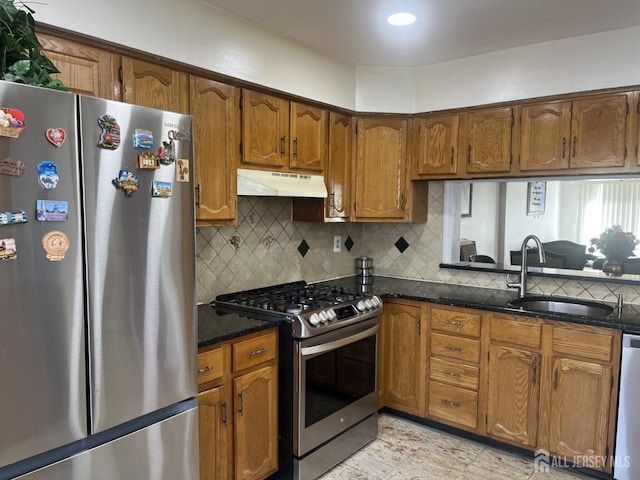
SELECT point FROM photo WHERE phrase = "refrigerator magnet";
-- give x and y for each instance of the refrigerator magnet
(142, 138)
(166, 153)
(182, 170)
(8, 249)
(55, 245)
(110, 136)
(52, 210)
(56, 136)
(9, 218)
(48, 174)
(127, 182)
(12, 122)
(161, 189)
(11, 167)
(148, 160)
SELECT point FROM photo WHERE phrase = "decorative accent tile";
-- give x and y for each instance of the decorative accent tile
(348, 243)
(268, 241)
(236, 241)
(401, 244)
(303, 248)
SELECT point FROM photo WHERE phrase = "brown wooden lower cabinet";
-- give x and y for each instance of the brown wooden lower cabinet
(529, 382)
(238, 405)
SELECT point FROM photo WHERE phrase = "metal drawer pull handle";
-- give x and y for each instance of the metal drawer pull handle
(258, 352)
(444, 372)
(225, 418)
(455, 323)
(241, 409)
(452, 348)
(449, 402)
(205, 369)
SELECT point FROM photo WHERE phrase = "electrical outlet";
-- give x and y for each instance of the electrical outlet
(337, 243)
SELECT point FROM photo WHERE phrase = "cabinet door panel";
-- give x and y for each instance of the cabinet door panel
(265, 132)
(599, 131)
(489, 140)
(155, 86)
(216, 144)
(402, 326)
(545, 136)
(514, 387)
(437, 147)
(256, 423)
(338, 176)
(309, 137)
(83, 69)
(214, 430)
(579, 407)
(380, 168)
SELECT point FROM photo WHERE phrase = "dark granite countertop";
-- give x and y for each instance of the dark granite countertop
(627, 320)
(215, 326)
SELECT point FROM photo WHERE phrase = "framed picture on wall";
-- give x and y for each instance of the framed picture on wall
(536, 197)
(467, 199)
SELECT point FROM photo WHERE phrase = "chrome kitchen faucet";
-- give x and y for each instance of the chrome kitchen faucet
(522, 284)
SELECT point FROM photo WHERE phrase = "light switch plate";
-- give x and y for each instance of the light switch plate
(337, 243)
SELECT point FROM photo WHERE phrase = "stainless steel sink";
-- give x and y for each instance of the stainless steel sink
(568, 306)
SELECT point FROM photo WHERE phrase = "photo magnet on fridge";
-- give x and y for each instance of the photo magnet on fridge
(48, 174)
(142, 138)
(9, 218)
(161, 189)
(12, 122)
(52, 210)
(8, 249)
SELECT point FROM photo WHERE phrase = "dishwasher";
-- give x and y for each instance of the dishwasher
(627, 460)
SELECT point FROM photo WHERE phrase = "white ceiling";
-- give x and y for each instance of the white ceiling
(356, 31)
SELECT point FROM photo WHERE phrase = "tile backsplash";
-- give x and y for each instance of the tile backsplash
(266, 248)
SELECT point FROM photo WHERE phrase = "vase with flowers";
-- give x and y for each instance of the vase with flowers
(616, 245)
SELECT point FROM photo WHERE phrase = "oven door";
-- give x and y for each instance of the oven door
(335, 383)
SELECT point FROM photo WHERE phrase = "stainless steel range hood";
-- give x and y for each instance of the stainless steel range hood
(280, 184)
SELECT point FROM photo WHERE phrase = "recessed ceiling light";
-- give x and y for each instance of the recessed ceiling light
(401, 19)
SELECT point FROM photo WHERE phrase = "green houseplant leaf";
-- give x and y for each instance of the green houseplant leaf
(21, 57)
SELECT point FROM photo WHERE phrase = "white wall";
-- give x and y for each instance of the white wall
(482, 225)
(195, 33)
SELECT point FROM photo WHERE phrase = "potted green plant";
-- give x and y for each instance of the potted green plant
(21, 56)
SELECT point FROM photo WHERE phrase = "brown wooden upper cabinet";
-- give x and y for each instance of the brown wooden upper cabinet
(435, 146)
(338, 175)
(215, 108)
(380, 173)
(487, 139)
(154, 85)
(83, 69)
(283, 135)
(592, 132)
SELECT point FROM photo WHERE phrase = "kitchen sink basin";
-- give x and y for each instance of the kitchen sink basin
(568, 306)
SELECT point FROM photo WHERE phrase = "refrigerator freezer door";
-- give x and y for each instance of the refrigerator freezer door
(42, 356)
(140, 266)
(167, 450)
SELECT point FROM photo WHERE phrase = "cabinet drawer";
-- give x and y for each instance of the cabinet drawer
(455, 321)
(456, 374)
(210, 365)
(453, 404)
(464, 349)
(254, 351)
(584, 343)
(526, 332)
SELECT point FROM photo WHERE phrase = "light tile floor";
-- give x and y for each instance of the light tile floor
(405, 450)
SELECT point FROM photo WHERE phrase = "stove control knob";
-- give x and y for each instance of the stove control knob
(332, 314)
(314, 319)
(368, 303)
(361, 306)
(376, 301)
(324, 316)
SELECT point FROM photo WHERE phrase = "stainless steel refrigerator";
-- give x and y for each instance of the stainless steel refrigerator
(97, 298)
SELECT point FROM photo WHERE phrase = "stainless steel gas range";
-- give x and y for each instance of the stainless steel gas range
(332, 368)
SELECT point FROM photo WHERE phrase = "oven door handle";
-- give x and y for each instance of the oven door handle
(325, 347)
